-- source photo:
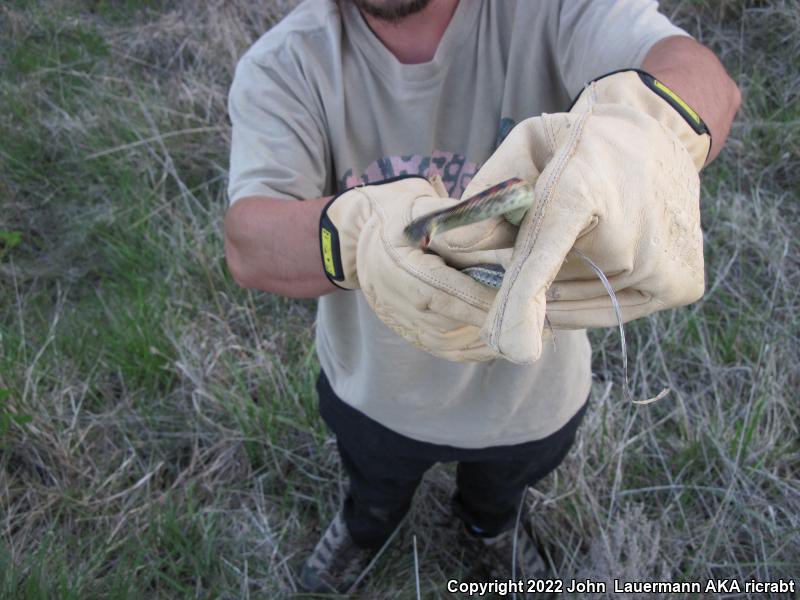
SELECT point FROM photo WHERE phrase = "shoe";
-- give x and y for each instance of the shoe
(505, 561)
(500, 559)
(337, 563)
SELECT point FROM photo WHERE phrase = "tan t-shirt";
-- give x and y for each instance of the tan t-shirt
(318, 105)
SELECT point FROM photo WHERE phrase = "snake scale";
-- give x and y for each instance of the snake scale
(510, 198)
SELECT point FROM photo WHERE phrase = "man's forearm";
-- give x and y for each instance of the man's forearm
(273, 245)
(698, 77)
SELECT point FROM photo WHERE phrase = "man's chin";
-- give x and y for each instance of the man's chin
(391, 10)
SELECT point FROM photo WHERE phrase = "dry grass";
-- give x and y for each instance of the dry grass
(174, 448)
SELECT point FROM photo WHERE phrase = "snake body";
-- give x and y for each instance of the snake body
(510, 198)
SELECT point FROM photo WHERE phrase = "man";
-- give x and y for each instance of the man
(354, 92)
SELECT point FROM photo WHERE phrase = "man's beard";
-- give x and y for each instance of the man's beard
(391, 10)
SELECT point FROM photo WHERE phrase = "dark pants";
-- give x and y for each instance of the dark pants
(385, 469)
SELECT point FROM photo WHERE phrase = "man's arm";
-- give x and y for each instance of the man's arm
(698, 77)
(273, 245)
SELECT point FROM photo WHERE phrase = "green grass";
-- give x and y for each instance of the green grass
(158, 428)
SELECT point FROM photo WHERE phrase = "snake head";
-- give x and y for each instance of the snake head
(420, 231)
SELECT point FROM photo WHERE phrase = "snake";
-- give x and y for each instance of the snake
(510, 198)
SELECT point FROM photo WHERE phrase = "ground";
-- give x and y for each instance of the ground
(158, 430)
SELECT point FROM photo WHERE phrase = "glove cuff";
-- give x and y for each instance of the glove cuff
(340, 273)
(644, 92)
(340, 227)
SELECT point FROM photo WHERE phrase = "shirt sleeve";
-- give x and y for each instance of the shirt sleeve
(596, 37)
(277, 144)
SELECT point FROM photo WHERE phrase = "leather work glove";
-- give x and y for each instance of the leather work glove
(616, 178)
(420, 297)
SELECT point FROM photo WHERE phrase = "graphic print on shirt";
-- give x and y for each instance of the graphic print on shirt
(455, 169)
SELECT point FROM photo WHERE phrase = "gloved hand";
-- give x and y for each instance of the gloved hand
(615, 178)
(415, 293)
